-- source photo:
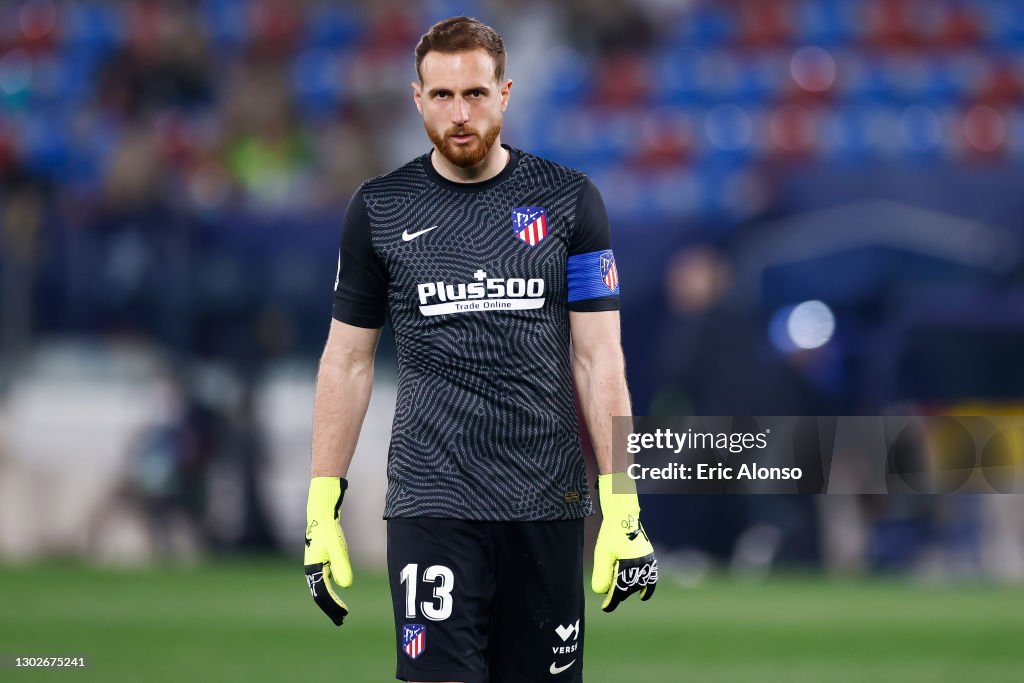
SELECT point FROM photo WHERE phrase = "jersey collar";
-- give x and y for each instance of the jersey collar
(513, 161)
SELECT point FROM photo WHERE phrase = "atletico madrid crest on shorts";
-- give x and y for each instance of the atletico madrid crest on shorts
(609, 273)
(414, 639)
(530, 224)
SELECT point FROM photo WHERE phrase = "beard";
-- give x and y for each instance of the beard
(466, 154)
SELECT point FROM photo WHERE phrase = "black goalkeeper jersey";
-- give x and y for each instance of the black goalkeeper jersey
(477, 280)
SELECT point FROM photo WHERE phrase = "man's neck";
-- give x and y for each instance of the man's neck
(490, 166)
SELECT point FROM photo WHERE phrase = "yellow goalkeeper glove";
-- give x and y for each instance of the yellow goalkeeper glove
(623, 552)
(326, 557)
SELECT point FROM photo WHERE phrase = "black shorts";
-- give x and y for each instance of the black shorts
(487, 602)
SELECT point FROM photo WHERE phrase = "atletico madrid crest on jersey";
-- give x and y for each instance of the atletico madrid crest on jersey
(609, 273)
(530, 224)
(414, 639)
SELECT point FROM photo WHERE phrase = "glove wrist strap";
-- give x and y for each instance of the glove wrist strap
(617, 492)
(326, 493)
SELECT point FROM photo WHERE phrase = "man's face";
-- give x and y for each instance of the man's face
(462, 104)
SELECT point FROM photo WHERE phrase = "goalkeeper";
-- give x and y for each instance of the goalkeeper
(487, 487)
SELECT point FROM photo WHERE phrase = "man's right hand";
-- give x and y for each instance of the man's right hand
(326, 557)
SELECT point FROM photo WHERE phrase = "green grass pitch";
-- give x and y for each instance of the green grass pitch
(254, 621)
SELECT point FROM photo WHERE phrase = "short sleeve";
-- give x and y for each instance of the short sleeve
(361, 287)
(593, 275)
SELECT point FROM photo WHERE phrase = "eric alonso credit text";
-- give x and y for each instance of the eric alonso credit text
(668, 440)
(821, 454)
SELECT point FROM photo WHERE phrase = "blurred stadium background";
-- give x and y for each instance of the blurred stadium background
(816, 209)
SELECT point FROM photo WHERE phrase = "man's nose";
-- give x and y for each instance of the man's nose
(460, 111)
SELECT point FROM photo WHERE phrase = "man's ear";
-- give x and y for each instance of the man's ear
(417, 94)
(506, 90)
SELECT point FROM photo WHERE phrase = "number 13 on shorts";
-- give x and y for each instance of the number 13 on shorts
(439, 606)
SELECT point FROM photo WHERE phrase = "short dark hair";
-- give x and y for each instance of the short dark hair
(460, 34)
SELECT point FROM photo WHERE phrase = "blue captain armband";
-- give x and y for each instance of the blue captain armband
(593, 276)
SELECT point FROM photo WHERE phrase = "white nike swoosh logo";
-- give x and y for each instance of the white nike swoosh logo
(559, 669)
(406, 236)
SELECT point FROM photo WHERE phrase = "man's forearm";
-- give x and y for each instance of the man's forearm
(603, 393)
(343, 387)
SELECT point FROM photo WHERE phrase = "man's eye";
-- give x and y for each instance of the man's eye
(475, 93)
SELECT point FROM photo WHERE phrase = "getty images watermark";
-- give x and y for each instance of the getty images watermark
(801, 454)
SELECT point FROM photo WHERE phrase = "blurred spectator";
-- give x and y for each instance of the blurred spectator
(714, 359)
(714, 355)
(139, 239)
(246, 528)
(164, 63)
(608, 27)
(166, 480)
(268, 154)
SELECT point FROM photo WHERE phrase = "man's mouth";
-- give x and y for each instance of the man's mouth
(462, 138)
